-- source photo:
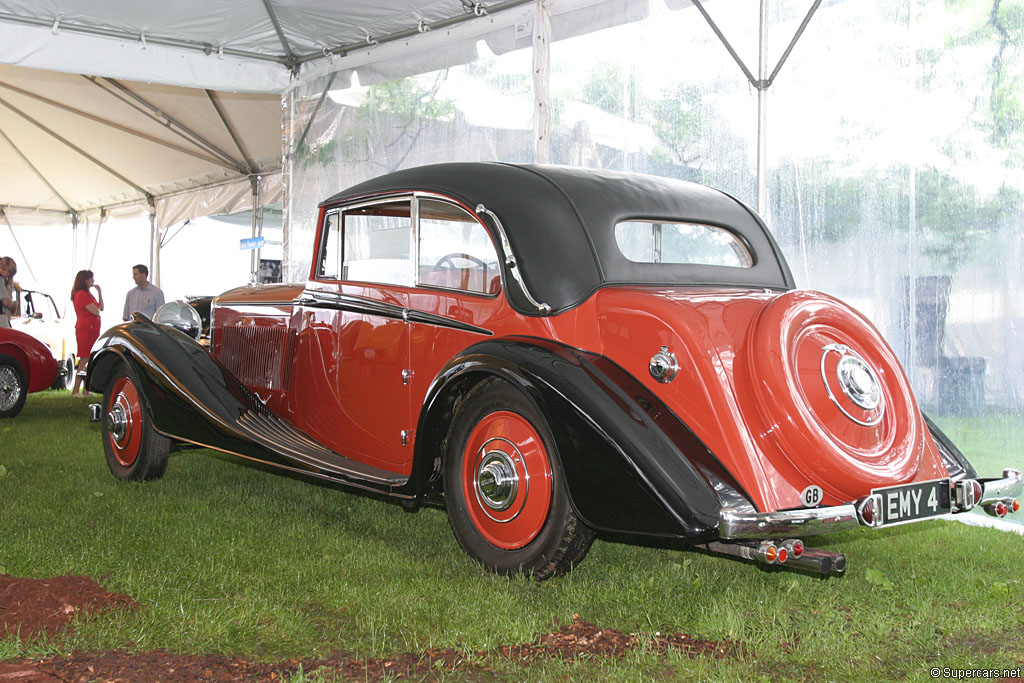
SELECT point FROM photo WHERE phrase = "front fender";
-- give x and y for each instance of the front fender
(630, 465)
(190, 396)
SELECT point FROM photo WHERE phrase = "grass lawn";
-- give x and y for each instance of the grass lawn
(228, 557)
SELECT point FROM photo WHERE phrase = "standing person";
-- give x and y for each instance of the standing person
(145, 297)
(87, 326)
(8, 269)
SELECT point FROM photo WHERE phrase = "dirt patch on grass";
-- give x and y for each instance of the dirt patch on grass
(35, 606)
(32, 607)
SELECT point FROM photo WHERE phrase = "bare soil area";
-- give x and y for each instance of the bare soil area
(34, 606)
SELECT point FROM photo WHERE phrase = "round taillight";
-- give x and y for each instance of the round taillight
(798, 548)
(1001, 509)
(979, 491)
(771, 553)
(867, 511)
(783, 555)
(1015, 505)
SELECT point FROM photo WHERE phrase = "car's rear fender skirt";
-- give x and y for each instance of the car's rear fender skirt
(625, 472)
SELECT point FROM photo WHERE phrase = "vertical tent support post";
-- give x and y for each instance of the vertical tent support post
(762, 83)
(154, 246)
(541, 84)
(287, 115)
(254, 180)
(762, 113)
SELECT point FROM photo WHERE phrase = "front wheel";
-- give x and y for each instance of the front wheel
(13, 386)
(504, 488)
(133, 448)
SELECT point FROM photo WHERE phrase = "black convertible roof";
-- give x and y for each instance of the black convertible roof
(560, 222)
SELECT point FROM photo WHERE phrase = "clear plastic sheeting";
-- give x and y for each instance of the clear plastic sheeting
(898, 187)
(217, 199)
(893, 138)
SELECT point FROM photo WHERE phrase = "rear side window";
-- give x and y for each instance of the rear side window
(455, 251)
(643, 241)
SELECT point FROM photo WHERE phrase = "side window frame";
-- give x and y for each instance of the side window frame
(340, 212)
(418, 198)
(321, 261)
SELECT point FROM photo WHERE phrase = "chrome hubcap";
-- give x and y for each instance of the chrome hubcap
(496, 480)
(858, 382)
(10, 387)
(117, 419)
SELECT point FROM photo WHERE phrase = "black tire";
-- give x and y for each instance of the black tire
(13, 386)
(66, 379)
(496, 517)
(133, 448)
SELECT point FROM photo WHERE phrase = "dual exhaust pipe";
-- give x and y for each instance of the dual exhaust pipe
(790, 553)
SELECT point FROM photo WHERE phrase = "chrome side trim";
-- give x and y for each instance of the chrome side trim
(734, 523)
(510, 260)
(355, 304)
(1010, 486)
(441, 321)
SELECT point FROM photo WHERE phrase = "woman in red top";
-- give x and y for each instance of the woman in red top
(87, 327)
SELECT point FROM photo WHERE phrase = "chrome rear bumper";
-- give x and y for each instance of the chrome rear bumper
(734, 523)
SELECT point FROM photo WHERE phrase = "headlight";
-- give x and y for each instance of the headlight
(180, 316)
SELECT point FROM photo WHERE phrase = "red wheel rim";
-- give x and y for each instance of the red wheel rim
(124, 422)
(506, 480)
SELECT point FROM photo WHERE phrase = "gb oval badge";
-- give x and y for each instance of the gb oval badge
(811, 496)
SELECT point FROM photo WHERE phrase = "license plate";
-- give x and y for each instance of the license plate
(911, 502)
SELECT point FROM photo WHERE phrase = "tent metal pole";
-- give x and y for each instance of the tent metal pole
(71, 145)
(154, 246)
(542, 83)
(157, 114)
(796, 37)
(254, 254)
(195, 46)
(24, 259)
(411, 32)
(762, 114)
(36, 171)
(316, 109)
(115, 125)
(231, 130)
(277, 27)
(725, 42)
(96, 242)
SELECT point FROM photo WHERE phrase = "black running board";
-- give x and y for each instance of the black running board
(278, 436)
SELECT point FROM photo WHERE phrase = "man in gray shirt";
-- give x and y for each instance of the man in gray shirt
(145, 297)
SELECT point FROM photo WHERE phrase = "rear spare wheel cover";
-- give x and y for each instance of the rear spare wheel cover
(833, 396)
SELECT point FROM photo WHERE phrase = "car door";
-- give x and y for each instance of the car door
(457, 301)
(353, 339)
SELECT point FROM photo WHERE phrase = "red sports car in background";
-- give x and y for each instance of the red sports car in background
(548, 353)
(26, 366)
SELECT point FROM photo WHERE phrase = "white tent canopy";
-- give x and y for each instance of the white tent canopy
(72, 143)
(175, 107)
(241, 45)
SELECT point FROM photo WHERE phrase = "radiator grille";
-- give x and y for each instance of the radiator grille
(258, 356)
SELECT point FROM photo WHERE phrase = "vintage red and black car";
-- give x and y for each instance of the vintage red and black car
(552, 352)
(26, 366)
